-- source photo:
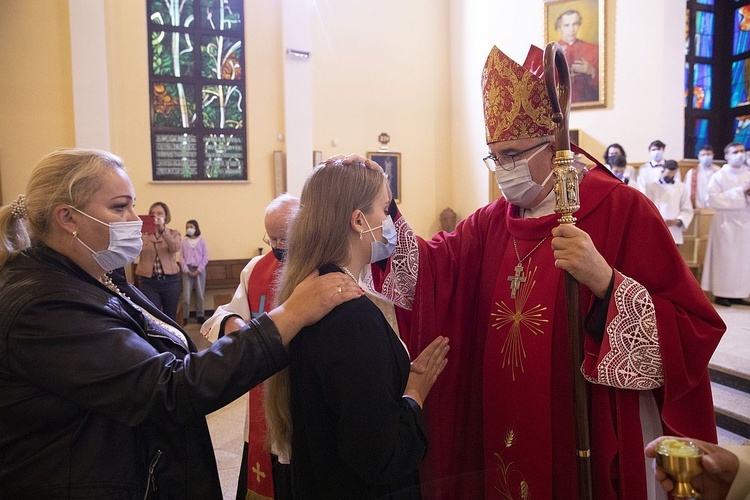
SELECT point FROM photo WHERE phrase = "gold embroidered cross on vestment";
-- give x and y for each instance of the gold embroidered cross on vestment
(518, 278)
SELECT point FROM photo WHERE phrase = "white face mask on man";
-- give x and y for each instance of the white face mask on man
(657, 155)
(517, 185)
(705, 160)
(125, 243)
(737, 159)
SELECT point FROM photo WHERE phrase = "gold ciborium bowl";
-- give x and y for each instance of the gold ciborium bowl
(681, 459)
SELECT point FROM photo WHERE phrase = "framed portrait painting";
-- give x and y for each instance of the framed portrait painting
(391, 163)
(578, 26)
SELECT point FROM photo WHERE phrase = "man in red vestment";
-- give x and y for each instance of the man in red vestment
(582, 58)
(261, 475)
(501, 418)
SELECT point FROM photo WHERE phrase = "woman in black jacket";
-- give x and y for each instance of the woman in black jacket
(101, 394)
(348, 409)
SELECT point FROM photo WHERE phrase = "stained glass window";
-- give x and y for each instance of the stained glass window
(740, 83)
(702, 86)
(742, 130)
(701, 134)
(706, 2)
(741, 30)
(704, 33)
(197, 86)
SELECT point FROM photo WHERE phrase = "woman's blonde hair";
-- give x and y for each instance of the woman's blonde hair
(65, 176)
(318, 235)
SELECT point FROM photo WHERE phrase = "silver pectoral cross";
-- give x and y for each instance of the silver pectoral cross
(516, 280)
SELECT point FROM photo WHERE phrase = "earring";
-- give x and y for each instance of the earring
(360, 235)
(75, 234)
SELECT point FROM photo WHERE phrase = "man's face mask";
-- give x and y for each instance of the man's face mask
(705, 159)
(279, 253)
(736, 159)
(657, 155)
(516, 183)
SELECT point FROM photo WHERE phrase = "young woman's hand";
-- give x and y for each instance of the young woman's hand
(429, 364)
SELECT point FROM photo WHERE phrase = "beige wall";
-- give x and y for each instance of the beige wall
(375, 72)
(36, 96)
(411, 69)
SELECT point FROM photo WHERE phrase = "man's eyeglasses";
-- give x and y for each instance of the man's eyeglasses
(507, 161)
(274, 242)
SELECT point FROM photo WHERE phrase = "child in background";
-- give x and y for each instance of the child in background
(193, 261)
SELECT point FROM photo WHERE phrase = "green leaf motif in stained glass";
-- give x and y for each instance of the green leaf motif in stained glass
(221, 58)
(171, 46)
(221, 15)
(222, 106)
(172, 105)
(171, 12)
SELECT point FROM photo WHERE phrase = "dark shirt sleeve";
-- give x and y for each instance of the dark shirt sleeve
(596, 319)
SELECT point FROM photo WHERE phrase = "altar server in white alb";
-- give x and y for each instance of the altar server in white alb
(726, 270)
(696, 179)
(671, 198)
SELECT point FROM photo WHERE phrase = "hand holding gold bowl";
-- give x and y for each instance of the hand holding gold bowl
(681, 459)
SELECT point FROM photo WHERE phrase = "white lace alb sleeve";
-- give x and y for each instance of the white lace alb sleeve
(630, 356)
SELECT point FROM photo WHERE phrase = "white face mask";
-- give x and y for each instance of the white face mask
(379, 250)
(737, 159)
(125, 243)
(657, 155)
(517, 185)
(190, 231)
(705, 160)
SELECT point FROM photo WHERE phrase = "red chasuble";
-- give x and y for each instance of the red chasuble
(500, 417)
(260, 297)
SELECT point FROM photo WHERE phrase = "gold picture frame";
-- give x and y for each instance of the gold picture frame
(579, 26)
(391, 163)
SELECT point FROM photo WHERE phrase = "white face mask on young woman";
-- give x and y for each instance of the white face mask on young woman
(125, 243)
(379, 250)
(517, 185)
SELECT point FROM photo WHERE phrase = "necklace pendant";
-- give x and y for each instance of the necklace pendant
(516, 280)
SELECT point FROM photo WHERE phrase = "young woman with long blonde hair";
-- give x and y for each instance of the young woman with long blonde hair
(348, 409)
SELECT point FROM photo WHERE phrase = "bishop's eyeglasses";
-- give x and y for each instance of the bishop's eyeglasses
(507, 161)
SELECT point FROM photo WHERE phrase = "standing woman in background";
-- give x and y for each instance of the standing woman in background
(194, 257)
(158, 272)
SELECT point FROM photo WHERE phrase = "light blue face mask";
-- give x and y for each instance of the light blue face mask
(380, 250)
(125, 243)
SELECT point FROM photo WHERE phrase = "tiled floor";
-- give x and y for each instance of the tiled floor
(227, 424)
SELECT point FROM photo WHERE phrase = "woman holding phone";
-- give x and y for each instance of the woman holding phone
(158, 271)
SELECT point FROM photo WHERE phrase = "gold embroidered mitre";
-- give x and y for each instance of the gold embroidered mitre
(516, 104)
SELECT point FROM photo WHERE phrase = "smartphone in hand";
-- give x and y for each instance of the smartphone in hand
(148, 224)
